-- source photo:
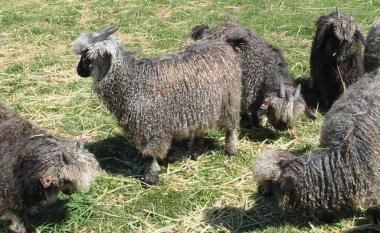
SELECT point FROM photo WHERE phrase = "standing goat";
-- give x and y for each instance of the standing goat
(336, 58)
(267, 87)
(344, 172)
(35, 166)
(372, 48)
(159, 99)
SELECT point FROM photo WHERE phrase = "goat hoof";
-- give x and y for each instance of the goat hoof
(374, 214)
(194, 156)
(265, 189)
(152, 172)
(231, 152)
(150, 180)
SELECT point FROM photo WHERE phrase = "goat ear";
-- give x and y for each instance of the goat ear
(80, 143)
(46, 180)
(197, 31)
(321, 36)
(360, 37)
(236, 42)
(281, 91)
(103, 63)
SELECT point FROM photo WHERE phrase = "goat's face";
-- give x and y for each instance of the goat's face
(344, 28)
(268, 170)
(85, 65)
(284, 109)
(55, 165)
(274, 178)
(95, 50)
(338, 28)
(40, 167)
(79, 170)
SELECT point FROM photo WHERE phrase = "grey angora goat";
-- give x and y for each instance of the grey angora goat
(372, 48)
(266, 82)
(35, 166)
(159, 99)
(344, 171)
(336, 58)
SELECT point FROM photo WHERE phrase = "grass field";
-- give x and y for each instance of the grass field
(213, 194)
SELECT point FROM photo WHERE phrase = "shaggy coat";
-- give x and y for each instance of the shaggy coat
(172, 97)
(264, 72)
(372, 48)
(336, 58)
(344, 172)
(35, 166)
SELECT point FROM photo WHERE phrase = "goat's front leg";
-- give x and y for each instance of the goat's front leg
(16, 226)
(152, 171)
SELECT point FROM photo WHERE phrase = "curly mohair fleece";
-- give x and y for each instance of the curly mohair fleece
(171, 97)
(372, 48)
(264, 68)
(35, 166)
(336, 57)
(344, 172)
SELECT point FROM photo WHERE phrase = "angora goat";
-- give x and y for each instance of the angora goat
(336, 57)
(344, 172)
(267, 87)
(35, 166)
(175, 96)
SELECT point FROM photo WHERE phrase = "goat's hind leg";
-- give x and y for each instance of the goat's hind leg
(373, 213)
(231, 141)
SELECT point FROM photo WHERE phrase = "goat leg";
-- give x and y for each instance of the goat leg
(152, 171)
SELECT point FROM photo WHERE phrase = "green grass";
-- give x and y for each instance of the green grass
(213, 194)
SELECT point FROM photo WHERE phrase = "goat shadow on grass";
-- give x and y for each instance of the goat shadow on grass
(265, 213)
(259, 134)
(118, 154)
(52, 214)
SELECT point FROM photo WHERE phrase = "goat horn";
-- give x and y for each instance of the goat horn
(309, 114)
(281, 93)
(105, 32)
(297, 92)
(337, 14)
(80, 143)
(67, 159)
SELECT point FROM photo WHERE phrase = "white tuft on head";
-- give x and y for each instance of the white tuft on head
(82, 43)
(83, 173)
(110, 45)
(267, 166)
